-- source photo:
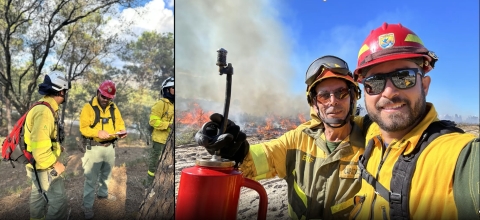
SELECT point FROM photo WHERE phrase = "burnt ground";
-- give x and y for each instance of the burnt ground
(126, 184)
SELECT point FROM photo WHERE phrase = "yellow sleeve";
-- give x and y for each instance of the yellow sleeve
(267, 160)
(87, 116)
(41, 133)
(157, 112)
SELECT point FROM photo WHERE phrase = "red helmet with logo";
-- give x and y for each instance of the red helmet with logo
(392, 42)
(107, 89)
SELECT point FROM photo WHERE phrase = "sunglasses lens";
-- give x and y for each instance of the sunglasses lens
(324, 97)
(343, 93)
(374, 84)
(104, 97)
(404, 79)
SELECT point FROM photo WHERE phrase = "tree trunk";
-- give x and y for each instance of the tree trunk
(159, 201)
(8, 114)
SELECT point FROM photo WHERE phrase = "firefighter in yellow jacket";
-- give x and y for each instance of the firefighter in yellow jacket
(42, 139)
(101, 124)
(161, 120)
(318, 159)
(444, 184)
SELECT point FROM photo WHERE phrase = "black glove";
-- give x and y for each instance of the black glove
(233, 144)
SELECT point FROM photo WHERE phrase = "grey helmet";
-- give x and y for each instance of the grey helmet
(53, 82)
(169, 82)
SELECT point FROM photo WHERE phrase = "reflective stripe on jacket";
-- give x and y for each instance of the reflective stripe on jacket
(431, 193)
(320, 185)
(40, 129)
(87, 117)
(161, 117)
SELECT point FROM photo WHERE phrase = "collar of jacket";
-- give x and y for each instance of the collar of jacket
(356, 137)
(50, 101)
(166, 100)
(411, 138)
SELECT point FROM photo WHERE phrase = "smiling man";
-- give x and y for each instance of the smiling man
(414, 166)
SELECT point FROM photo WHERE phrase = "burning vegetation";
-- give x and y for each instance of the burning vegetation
(189, 121)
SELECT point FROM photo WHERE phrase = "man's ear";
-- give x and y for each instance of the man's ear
(426, 84)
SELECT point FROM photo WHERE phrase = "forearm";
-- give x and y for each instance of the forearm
(256, 165)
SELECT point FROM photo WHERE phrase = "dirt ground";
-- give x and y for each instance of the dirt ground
(126, 184)
(185, 156)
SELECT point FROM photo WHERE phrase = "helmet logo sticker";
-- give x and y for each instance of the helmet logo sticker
(386, 40)
(109, 89)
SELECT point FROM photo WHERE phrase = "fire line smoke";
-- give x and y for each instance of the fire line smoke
(257, 47)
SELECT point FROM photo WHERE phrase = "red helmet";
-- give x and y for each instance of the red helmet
(107, 89)
(392, 42)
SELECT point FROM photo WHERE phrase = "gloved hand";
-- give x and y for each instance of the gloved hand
(233, 144)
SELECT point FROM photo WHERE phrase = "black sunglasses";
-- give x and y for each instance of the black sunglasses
(402, 79)
(104, 97)
(323, 97)
(332, 63)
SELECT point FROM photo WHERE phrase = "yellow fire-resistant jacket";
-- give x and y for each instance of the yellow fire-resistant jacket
(40, 130)
(87, 117)
(320, 185)
(445, 183)
(161, 117)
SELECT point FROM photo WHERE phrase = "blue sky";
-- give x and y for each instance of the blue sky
(449, 28)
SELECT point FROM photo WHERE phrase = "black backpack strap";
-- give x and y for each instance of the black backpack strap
(112, 114)
(404, 168)
(97, 113)
(367, 176)
(362, 162)
(366, 124)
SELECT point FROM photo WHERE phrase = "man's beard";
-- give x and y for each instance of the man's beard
(399, 121)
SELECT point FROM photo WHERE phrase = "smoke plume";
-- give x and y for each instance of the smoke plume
(258, 49)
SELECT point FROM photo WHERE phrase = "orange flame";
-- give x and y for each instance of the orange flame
(276, 126)
(195, 117)
(272, 127)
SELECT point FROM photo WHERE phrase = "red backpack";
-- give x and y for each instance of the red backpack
(13, 147)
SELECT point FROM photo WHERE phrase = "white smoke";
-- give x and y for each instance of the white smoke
(258, 49)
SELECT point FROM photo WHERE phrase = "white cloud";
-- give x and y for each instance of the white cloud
(132, 22)
(153, 16)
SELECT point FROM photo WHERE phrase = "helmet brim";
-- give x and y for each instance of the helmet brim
(358, 75)
(327, 75)
(106, 94)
